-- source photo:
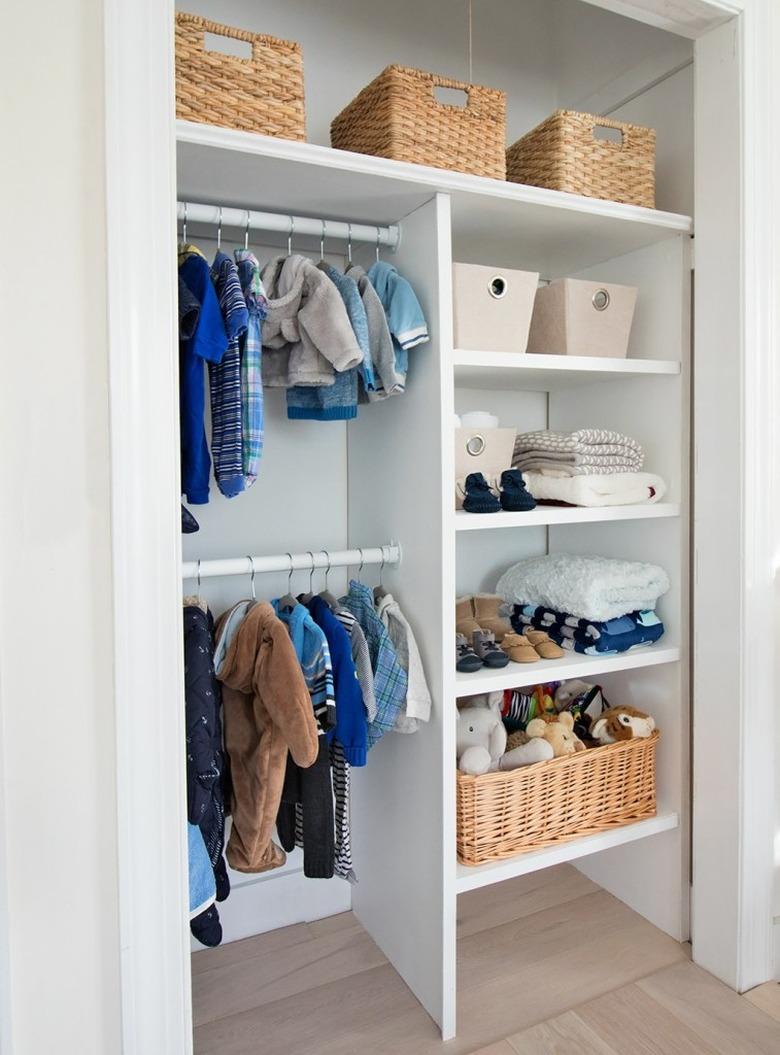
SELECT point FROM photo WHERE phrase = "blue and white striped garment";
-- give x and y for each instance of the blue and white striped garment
(225, 381)
(311, 648)
(252, 364)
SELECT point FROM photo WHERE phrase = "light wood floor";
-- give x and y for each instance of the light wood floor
(548, 964)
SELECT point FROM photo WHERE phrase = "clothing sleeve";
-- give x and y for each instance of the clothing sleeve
(351, 726)
(404, 314)
(362, 659)
(325, 320)
(280, 683)
(418, 696)
(320, 677)
(209, 341)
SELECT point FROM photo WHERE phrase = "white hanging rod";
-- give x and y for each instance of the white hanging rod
(214, 215)
(205, 569)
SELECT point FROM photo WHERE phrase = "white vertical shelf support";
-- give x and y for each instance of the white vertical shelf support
(404, 809)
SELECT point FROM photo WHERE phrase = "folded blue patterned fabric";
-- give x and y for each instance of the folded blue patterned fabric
(634, 630)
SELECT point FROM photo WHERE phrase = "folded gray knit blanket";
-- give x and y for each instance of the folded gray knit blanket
(580, 453)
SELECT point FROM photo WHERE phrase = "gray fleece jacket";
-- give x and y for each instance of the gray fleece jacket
(306, 333)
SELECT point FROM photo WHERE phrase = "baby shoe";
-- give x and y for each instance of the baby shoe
(514, 496)
(465, 623)
(466, 659)
(479, 498)
(519, 648)
(543, 643)
(486, 607)
(484, 642)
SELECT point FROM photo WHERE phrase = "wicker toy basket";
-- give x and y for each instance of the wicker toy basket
(262, 93)
(398, 116)
(504, 814)
(565, 153)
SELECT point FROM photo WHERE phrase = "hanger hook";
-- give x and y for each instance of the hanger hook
(290, 574)
(327, 570)
(311, 572)
(252, 576)
(290, 234)
(349, 242)
(219, 230)
(246, 231)
(378, 232)
(362, 562)
(322, 242)
(198, 576)
(184, 225)
(382, 566)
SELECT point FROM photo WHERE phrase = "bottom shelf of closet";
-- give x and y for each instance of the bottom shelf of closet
(471, 877)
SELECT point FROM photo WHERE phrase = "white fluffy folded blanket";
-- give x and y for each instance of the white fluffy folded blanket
(614, 489)
(594, 588)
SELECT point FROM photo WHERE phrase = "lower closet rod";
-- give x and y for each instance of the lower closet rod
(249, 220)
(390, 553)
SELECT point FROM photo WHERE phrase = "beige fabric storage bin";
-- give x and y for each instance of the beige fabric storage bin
(492, 307)
(574, 317)
(486, 451)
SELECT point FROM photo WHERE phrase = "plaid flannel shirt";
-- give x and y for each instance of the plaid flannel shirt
(251, 364)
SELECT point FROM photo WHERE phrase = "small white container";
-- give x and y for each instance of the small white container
(486, 451)
(574, 317)
(492, 307)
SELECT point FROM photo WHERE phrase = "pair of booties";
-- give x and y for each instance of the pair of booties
(512, 498)
(480, 612)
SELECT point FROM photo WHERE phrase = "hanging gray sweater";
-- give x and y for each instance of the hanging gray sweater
(306, 333)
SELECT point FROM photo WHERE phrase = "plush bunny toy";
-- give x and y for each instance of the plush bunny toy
(481, 736)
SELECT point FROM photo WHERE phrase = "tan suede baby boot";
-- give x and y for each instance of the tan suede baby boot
(465, 623)
(486, 607)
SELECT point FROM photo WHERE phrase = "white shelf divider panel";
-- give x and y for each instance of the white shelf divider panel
(546, 373)
(544, 516)
(513, 224)
(571, 665)
(471, 877)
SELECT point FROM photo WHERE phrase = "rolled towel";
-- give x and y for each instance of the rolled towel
(605, 489)
(586, 587)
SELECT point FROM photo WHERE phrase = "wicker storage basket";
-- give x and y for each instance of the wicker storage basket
(504, 814)
(397, 116)
(263, 93)
(563, 153)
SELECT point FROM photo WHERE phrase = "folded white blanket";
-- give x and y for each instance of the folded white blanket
(612, 489)
(594, 588)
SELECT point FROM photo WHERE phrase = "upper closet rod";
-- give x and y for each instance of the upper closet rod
(357, 558)
(248, 221)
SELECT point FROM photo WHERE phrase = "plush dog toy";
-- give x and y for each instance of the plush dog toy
(621, 723)
(558, 732)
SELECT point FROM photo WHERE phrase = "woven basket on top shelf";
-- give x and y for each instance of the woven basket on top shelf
(262, 93)
(501, 815)
(398, 116)
(565, 153)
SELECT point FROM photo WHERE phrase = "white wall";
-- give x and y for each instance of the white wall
(58, 764)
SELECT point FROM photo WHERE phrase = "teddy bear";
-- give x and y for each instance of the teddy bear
(481, 736)
(558, 732)
(621, 723)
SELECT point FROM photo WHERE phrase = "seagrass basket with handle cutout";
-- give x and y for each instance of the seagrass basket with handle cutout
(260, 93)
(398, 116)
(501, 815)
(569, 152)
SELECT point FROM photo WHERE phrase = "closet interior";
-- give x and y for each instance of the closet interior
(378, 490)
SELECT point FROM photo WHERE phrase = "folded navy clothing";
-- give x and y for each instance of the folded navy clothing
(633, 630)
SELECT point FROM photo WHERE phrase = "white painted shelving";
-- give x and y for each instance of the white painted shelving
(546, 373)
(546, 515)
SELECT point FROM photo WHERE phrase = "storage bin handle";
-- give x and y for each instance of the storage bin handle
(474, 96)
(195, 29)
(609, 122)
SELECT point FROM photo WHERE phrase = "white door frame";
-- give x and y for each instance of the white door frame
(140, 178)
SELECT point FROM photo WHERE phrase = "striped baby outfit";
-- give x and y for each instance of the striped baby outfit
(225, 381)
(251, 364)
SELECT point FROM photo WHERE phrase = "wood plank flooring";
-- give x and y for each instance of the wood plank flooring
(548, 964)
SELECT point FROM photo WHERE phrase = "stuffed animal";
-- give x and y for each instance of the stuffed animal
(522, 750)
(481, 736)
(584, 701)
(621, 723)
(559, 733)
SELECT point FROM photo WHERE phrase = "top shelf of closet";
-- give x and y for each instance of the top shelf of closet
(505, 224)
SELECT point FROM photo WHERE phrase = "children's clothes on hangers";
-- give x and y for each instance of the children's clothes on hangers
(417, 706)
(405, 318)
(305, 815)
(251, 364)
(379, 339)
(311, 648)
(225, 381)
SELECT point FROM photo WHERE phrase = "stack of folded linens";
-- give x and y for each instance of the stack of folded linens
(592, 605)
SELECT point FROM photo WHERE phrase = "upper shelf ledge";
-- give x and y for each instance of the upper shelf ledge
(505, 224)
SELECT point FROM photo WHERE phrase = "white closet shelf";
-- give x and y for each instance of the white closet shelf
(495, 222)
(546, 373)
(571, 665)
(471, 877)
(548, 515)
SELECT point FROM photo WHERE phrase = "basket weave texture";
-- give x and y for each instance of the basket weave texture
(398, 116)
(263, 93)
(501, 815)
(562, 153)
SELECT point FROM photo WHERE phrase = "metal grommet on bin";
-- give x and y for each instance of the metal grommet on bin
(497, 287)
(475, 446)
(600, 299)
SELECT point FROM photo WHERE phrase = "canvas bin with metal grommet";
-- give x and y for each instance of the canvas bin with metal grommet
(492, 307)
(481, 450)
(575, 317)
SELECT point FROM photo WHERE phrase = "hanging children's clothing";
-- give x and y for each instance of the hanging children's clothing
(417, 707)
(361, 658)
(201, 885)
(251, 364)
(405, 318)
(206, 770)
(267, 710)
(380, 340)
(337, 402)
(307, 335)
(207, 343)
(390, 679)
(225, 381)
